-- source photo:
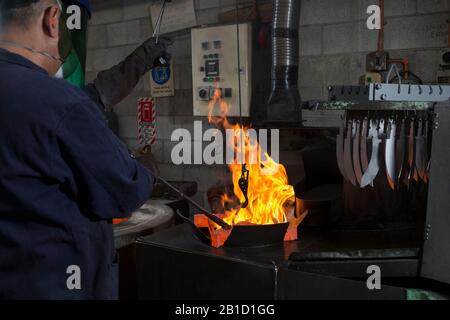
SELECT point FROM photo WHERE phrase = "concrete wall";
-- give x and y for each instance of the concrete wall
(334, 41)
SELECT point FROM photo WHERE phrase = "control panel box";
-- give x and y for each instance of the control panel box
(215, 66)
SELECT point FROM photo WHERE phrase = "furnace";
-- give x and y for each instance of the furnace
(329, 260)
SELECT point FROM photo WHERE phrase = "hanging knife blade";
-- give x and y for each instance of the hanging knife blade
(363, 144)
(356, 152)
(400, 151)
(348, 163)
(410, 154)
(389, 154)
(420, 152)
(374, 166)
(340, 149)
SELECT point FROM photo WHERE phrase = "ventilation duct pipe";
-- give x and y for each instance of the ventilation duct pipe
(284, 101)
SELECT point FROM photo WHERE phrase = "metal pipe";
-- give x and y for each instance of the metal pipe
(380, 46)
(448, 32)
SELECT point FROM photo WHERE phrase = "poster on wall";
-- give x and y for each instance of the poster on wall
(161, 82)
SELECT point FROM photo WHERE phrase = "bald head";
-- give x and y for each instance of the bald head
(31, 28)
(19, 14)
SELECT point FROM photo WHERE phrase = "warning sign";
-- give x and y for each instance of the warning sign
(146, 121)
(161, 82)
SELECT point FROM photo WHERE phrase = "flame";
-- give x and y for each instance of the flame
(268, 189)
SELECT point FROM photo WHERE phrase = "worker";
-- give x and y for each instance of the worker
(63, 174)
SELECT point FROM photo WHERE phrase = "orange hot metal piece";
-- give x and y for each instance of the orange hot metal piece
(218, 236)
(291, 234)
(201, 221)
(119, 221)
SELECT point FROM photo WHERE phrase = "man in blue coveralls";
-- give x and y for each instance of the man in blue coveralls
(63, 174)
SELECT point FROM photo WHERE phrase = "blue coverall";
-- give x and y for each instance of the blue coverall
(63, 176)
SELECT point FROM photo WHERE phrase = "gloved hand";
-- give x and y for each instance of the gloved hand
(150, 163)
(115, 84)
(150, 51)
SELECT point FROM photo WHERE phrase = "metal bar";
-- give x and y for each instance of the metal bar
(393, 92)
(409, 92)
(158, 24)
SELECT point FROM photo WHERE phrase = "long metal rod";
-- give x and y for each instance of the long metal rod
(206, 212)
(243, 181)
(239, 65)
(158, 24)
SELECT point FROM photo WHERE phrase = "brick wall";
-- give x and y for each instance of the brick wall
(334, 41)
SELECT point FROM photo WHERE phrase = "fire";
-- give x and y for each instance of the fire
(269, 192)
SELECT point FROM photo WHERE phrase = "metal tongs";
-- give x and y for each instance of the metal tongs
(158, 24)
(206, 212)
(157, 31)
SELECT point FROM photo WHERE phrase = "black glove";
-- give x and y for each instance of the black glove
(115, 84)
(150, 163)
(150, 52)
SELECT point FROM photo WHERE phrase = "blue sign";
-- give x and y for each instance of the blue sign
(161, 75)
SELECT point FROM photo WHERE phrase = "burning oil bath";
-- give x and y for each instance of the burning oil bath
(261, 195)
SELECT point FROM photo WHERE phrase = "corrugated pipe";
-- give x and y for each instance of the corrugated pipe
(285, 59)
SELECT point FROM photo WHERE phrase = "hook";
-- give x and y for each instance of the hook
(243, 184)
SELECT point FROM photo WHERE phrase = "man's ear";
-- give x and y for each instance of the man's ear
(51, 21)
